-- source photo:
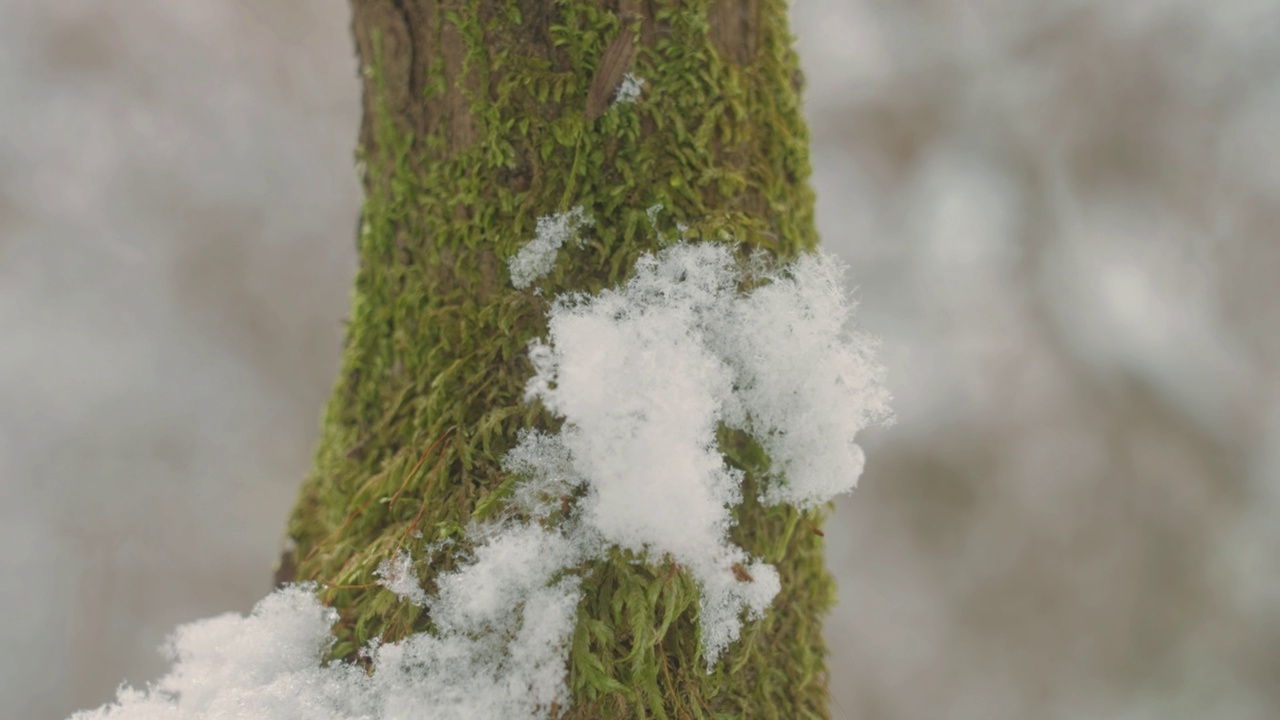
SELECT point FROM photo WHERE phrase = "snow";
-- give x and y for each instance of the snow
(267, 665)
(807, 387)
(268, 661)
(538, 256)
(629, 90)
(397, 576)
(643, 375)
(517, 562)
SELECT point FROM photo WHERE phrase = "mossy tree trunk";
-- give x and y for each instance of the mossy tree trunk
(480, 116)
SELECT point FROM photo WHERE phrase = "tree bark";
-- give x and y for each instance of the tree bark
(480, 116)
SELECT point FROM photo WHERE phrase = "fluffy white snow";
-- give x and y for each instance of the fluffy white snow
(538, 256)
(483, 663)
(629, 90)
(397, 576)
(642, 375)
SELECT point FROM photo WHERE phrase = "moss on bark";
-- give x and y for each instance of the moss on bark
(480, 117)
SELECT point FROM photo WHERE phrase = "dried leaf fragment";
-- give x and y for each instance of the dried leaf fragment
(613, 67)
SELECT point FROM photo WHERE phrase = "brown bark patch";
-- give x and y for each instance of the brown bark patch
(393, 56)
(403, 40)
(735, 29)
(453, 107)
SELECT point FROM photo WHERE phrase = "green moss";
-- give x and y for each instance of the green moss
(429, 397)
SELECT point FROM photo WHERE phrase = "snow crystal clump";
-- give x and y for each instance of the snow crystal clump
(397, 576)
(503, 628)
(644, 374)
(538, 256)
(548, 474)
(806, 385)
(514, 564)
(268, 662)
(629, 90)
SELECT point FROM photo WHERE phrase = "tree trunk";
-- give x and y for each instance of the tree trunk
(480, 116)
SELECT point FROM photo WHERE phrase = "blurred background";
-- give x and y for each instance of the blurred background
(1063, 219)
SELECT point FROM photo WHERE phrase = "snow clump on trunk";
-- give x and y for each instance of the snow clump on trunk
(643, 377)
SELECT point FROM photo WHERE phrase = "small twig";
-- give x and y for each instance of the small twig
(666, 671)
(416, 467)
(362, 586)
(435, 472)
(816, 530)
(338, 530)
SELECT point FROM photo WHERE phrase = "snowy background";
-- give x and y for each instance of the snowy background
(1064, 219)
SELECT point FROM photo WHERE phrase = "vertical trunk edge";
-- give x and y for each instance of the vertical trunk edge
(476, 123)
